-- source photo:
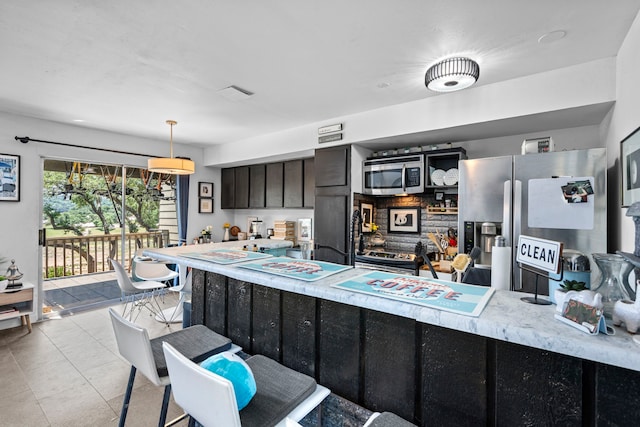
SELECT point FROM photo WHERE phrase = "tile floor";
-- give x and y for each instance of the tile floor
(68, 372)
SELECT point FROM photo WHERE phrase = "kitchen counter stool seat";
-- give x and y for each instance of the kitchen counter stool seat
(283, 395)
(197, 342)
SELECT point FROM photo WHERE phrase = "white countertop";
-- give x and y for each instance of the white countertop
(505, 317)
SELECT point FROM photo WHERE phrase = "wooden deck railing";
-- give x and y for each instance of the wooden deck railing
(75, 255)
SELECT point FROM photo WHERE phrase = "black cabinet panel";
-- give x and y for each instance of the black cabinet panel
(299, 333)
(198, 300)
(239, 313)
(389, 364)
(427, 374)
(536, 387)
(339, 349)
(293, 184)
(228, 189)
(215, 316)
(331, 230)
(454, 364)
(618, 396)
(309, 183)
(332, 166)
(242, 187)
(265, 337)
(275, 185)
(257, 187)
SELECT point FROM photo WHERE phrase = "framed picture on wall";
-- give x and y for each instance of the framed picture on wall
(205, 205)
(630, 159)
(366, 210)
(404, 220)
(9, 178)
(205, 189)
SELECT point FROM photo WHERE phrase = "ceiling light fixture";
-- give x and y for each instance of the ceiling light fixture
(171, 165)
(452, 74)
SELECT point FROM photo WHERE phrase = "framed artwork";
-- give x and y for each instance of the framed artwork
(205, 205)
(439, 196)
(9, 178)
(205, 189)
(305, 231)
(366, 210)
(404, 220)
(630, 160)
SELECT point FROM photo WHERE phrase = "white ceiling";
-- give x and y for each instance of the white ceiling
(127, 66)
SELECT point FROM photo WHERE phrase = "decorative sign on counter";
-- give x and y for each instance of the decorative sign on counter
(226, 256)
(539, 253)
(301, 269)
(443, 295)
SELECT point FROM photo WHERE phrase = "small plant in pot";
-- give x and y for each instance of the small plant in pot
(572, 285)
(566, 286)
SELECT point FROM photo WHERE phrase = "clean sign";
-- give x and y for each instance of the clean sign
(542, 254)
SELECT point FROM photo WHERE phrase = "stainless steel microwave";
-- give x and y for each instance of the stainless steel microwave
(393, 175)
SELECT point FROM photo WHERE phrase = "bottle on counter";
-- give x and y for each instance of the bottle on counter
(245, 248)
(255, 248)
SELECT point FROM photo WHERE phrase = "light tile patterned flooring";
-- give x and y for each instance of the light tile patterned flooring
(68, 372)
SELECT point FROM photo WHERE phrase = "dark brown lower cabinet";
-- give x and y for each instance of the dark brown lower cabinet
(429, 375)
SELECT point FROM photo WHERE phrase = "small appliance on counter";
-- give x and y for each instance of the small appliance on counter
(256, 229)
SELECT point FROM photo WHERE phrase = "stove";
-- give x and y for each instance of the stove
(394, 262)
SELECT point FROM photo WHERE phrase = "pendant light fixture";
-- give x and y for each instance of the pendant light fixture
(171, 165)
(452, 74)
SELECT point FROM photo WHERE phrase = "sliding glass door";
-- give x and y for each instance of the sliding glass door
(93, 212)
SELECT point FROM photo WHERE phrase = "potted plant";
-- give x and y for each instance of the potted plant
(566, 286)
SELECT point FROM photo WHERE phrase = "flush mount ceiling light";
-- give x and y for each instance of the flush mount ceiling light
(452, 74)
(171, 165)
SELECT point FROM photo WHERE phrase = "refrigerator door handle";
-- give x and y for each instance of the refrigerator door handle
(506, 213)
(517, 229)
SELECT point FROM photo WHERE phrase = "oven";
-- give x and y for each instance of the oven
(390, 262)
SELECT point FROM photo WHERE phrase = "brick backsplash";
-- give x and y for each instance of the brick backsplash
(405, 242)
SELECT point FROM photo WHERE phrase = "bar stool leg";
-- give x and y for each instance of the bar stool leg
(165, 405)
(127, 397)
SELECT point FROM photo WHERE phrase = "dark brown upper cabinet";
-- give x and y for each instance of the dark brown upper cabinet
(257, 188)
(332, 167)
(228, 189)
(275, 185)
(309, 183)
(242, 187)
(293, 184)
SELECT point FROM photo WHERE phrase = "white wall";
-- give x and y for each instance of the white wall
(624, 120)
(20, 221)
(551, 91)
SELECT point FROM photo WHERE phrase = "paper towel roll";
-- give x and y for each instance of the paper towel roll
(500, 267)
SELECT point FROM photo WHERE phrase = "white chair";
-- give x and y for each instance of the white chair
(145, 355)
(145, 269)
(283, 395)
(175, 314)
(138, 294)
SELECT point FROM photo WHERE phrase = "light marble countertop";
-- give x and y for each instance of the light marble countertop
(505, 317)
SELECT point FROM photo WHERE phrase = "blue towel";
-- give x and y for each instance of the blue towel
(230, 366)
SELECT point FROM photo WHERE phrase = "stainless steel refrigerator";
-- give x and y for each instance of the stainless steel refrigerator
(528, 195)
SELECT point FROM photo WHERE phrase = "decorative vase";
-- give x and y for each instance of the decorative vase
(614, 283)
(226, 235)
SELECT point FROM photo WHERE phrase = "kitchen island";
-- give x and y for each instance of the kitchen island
(512, 365)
